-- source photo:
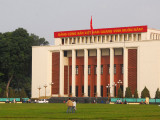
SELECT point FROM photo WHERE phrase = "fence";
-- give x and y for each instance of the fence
(134, 100)
(11, 99)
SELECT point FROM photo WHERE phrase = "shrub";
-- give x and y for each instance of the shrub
(135, 93)
(145, 93)
(157, 95)
(120, 94)
(128, 93)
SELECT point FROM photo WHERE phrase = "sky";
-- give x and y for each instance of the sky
(44, 17)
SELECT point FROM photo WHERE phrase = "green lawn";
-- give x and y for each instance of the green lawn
(84, 111)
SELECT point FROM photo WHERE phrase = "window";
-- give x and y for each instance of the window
(76, 70)
(95, 69)
(109, 69)
(114, 69)
(62, 41)
(89, 69)
(101, 69)
(122, 68)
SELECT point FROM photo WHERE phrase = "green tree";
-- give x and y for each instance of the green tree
(39, 41)
(157, 95)
(120, 94)
(11, 93)
(145, 93)
(135, 93)
(128, 93)
(23, 94)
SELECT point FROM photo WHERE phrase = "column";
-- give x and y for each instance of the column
(111, 72)
(98, 72)
(73, 72)
(85, 72)
(80, 40)
(132, 37)
(101, 39)
(118, 38)
(125, 68)
(61, 90)
(68, 40)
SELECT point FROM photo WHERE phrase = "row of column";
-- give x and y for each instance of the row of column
(103, 39)
(125, 75)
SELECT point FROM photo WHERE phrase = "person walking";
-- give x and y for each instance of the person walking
(74, 106)
(70, 105)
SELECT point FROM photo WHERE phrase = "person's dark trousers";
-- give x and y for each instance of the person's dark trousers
(73, 109)
(69, 109)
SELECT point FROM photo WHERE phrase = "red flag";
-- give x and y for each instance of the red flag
(91, 25)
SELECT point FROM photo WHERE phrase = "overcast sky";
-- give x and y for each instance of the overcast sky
(44, 17)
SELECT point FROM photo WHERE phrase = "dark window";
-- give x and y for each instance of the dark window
(101, 69)
(89, 91)
(76, 91)
(83, 90)
(62, 41)
(65, 53)
(95, 69)
(114, 69)
(108, 69)
(89, 69)
(70, 89)
(95, 90)
(101, 91)
(122, 68)
(76, 70)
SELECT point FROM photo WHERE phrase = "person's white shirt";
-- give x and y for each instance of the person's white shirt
(74, 104)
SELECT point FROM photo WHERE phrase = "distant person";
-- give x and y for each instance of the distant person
(141, 102)
(74, 106)
(125, 102)
(70, 105)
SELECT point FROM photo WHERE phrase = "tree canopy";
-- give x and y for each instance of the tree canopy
(16, 60)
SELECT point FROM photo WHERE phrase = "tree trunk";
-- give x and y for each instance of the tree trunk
(9, 81)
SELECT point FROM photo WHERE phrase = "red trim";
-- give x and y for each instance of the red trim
(103, 31)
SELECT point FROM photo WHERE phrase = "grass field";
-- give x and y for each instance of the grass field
(84, 111)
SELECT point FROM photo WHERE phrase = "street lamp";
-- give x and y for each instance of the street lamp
(115, 88)
(108, 90)
(45, 90)
(51, 87)
(39, 88)
(119, 82)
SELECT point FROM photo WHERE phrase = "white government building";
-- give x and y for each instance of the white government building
(81, 64)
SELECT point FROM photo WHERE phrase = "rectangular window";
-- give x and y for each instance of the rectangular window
(95, 69)
(76, 70)
(109, 69)
(114, 69)
(89, 69)
(101, 69)
(122, 68)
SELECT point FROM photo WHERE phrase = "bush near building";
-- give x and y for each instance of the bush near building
(157, 95)
(145, 93)
(135, 93)
(120, 94)
(128, 93)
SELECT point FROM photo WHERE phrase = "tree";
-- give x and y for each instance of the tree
(16, 59)
(145, 93)
(128, 93)
(11, 93)
(120, 94)
(38, 41)
(157, 95)
(135, 93)
(23, 94)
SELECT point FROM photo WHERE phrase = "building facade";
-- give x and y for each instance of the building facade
(83, 63)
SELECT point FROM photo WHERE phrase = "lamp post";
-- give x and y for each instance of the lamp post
(39, 88)
(51, 87)
(119, 82)
(45, 90)
(108, 90)
(115, 85)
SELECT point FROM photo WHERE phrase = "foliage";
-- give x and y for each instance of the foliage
(145, 93)
(157, 95)
(120, 94)
(15, 60)
(135, 93)
(128, 93)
